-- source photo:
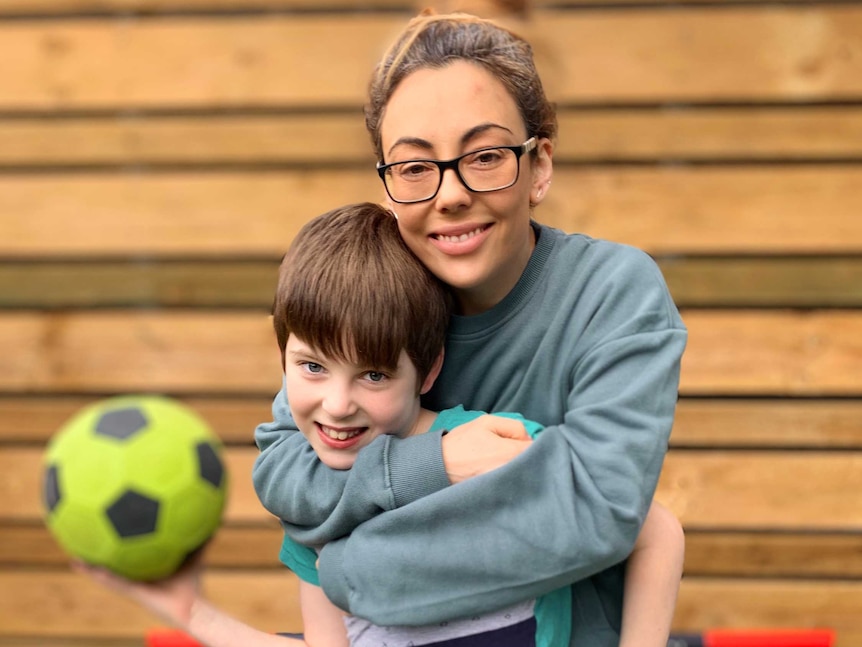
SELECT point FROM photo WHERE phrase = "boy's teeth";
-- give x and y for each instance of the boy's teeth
(335, 434)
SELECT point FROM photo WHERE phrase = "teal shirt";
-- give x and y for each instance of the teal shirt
(552, 611)
(588, 343)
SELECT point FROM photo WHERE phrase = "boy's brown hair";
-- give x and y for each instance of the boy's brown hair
(352, 290)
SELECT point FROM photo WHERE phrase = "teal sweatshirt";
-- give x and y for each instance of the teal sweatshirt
(588, 343)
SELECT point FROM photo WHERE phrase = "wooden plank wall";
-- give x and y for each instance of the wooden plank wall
(157, 156)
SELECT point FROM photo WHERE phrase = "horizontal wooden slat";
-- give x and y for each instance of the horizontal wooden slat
(806, 282)
(124, 7)
(21, 479)
(131, 351)
(721, 490)
(208, 214)
(687, 133)
(711, 423)
(779, 53)
(140, 283)
(34, 420)
(587, 135)
(700, 423)
(729, 352)
(62, 604)
(764, 554)
(780, 352)
(798, 281)
(234, 546)
(192, 139)
(734, 210)
(663, 210)
(787, 490)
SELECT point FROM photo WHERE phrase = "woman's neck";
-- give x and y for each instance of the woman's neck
(474, 301)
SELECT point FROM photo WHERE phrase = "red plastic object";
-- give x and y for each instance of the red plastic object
(170, 638)
(769, 638)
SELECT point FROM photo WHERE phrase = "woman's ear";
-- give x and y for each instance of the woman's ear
(543, 170)
(429, 380)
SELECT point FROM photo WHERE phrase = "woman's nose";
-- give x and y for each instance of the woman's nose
(453, 194)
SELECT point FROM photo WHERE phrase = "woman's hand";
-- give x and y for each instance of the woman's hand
(172, 599)
(482, 445)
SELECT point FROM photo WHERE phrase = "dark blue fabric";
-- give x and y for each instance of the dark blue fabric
(522, 634)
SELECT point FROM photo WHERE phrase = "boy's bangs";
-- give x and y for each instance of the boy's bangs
(354, 333)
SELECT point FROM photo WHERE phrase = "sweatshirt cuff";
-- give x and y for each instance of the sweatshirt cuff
(330, 572)
(415, 467)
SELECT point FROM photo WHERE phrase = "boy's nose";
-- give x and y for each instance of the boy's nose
(339, 403)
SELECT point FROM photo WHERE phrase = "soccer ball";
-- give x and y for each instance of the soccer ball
(134, 484)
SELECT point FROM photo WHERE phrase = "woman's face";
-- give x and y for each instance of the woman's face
(478, 243)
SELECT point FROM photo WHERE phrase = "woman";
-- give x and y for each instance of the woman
(578, 334)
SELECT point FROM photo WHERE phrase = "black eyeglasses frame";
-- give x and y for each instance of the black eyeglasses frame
(453, 163)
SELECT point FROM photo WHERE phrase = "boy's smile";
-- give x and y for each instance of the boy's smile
(340, 407)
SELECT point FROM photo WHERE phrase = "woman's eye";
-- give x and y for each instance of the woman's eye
(413, 170)
(489, 157)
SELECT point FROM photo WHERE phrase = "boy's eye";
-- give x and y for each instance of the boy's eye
(375, 376)
(312, 367)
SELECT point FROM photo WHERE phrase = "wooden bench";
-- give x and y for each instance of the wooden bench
(146, 200)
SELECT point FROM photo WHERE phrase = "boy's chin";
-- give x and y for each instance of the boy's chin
(343, 462)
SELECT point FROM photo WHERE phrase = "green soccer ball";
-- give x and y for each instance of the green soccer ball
(134, 484)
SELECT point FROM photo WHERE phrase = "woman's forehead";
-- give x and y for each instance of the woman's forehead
(442, 105)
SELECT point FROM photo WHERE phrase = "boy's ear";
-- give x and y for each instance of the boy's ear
(429, 380)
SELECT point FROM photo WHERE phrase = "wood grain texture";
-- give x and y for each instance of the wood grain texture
(58, 604)
(726, 281)
(707, 490)
(772, 352)
(63, 604)
(701, 423)
(672, 210)
(730, 352)
(788, 53)
(32, 420)
(234, 546)
(801, 133)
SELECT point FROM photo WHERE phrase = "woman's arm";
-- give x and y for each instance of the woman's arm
(652, 580)
(178, 601)
(573, 503)
(319, 504)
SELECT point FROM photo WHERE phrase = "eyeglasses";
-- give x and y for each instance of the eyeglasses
(481, 171)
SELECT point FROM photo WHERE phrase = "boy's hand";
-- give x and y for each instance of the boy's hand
(482, 445)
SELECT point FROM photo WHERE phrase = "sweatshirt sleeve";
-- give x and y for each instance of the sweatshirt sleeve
(570, 506)
(317, 504)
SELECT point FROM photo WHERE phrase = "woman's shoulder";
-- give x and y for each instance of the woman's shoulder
(583, 249)
(610, 277)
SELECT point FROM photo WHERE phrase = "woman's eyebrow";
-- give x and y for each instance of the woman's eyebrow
(473, 132)
(480, 129)
(411, 141)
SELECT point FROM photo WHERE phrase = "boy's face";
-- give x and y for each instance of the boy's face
(341, 407)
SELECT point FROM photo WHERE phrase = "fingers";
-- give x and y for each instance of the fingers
(506, 427)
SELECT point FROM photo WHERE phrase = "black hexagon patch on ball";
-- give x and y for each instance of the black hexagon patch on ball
(134, 514)
(121, 423)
